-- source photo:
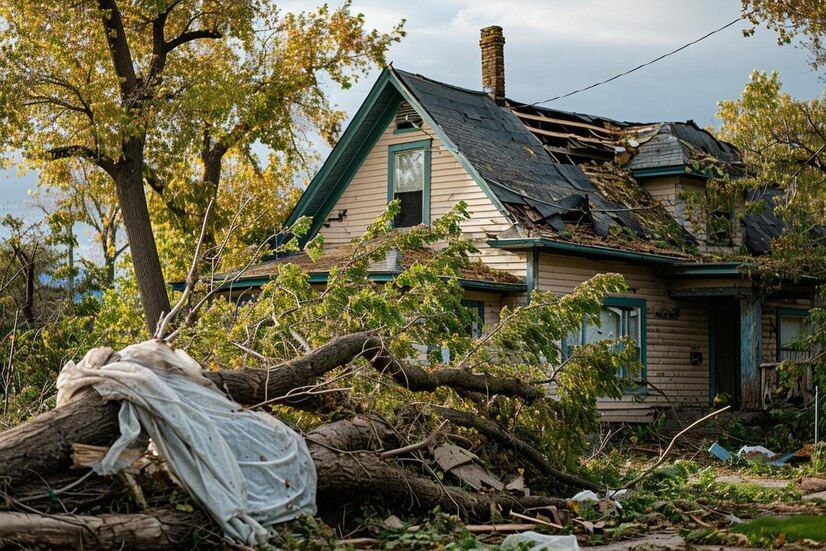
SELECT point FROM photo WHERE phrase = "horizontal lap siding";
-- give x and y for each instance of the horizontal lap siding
(366, 198)
(669, 341)
(664, 189)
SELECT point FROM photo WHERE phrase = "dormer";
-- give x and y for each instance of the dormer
(678, 164)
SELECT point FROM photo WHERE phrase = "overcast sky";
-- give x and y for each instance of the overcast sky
(555, 46)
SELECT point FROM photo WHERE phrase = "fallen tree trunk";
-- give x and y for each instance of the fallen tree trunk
(360, 475)
(150, 530)
(345, 453)
(44, 444)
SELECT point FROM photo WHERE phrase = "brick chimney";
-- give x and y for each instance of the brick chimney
(492, 43)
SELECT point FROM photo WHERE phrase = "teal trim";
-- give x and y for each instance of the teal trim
(348, 154)
(384, 277)
(405, 130)
(365, 148)
(785, 311)
(711, 269)
(640, 303)
(661, 171)
(411, 99)
(672, 170)
(751, 336)
(426, 146)
(407, 146)
(532, 273)
(712, 354)
(577, 249)
(622, 302)
(711, 292)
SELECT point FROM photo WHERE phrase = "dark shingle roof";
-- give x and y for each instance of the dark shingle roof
(678, 143)
(514, 163)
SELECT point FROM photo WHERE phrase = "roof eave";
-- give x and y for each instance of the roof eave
(379, 277)
(578, 249)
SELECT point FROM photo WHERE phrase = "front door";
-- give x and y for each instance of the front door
(724, 347)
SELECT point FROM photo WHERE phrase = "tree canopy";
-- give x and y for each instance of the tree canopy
(159, 92)
(790, 19)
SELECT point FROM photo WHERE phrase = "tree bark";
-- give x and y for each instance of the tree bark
(351, 476)
(128, 171)
(150, 530)
(44, 444)
(132, 201)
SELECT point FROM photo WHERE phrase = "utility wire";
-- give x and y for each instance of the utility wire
(646, 64)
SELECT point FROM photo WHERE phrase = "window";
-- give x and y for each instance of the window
(792, 324)
(476, 307)
(620, 317)
(408, 181)
(474, 329)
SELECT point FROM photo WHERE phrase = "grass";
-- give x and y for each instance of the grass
(795, 528)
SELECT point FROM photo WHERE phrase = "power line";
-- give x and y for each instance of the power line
(646, 64)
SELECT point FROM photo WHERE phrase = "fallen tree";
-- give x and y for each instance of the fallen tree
(371, 410)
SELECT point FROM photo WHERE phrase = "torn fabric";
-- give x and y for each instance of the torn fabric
(247, 469)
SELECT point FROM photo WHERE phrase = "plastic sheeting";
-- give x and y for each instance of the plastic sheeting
(249, 470)
(534, 541)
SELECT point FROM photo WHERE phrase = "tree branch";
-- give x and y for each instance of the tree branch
(417, 379)
(189, 36)
(119, 48)
(84, 152)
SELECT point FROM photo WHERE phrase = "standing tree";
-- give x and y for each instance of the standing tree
(805, 19)
(783, 142)
(118, 85)
(74, 191)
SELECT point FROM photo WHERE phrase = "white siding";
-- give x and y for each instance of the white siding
(669, 341)
(366, 198)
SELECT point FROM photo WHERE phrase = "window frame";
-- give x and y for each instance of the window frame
(627, 303)
(425, 146)
(479, 306)
(779, 313)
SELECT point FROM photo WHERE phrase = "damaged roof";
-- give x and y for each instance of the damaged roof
(558, 174)
(522, 169)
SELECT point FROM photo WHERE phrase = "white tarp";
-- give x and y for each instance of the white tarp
(247, 469)
(534, 541)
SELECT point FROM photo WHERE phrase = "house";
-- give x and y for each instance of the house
(557, 197)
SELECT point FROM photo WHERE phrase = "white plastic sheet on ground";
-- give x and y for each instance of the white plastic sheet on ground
(534, 541)
(247, 469)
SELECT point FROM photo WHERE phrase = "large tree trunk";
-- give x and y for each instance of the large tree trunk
(44, 444)
(347, 453)
(158, 529)
(132, 201)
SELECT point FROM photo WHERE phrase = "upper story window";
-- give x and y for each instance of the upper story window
(408, 181)
(792, 324)
(620, 317)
